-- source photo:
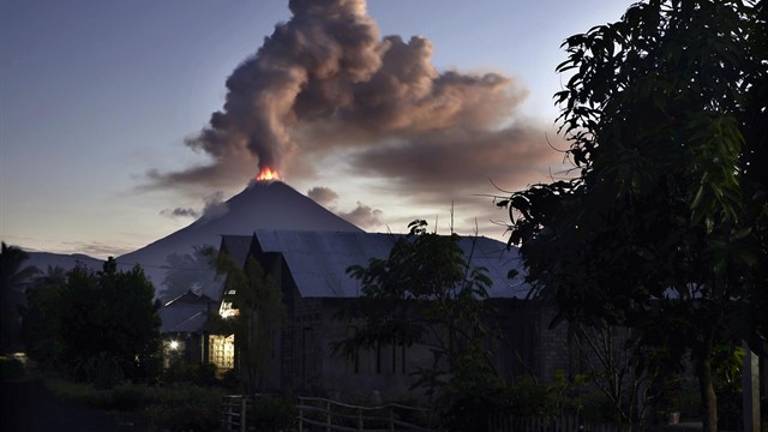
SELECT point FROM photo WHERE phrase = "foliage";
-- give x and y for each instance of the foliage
(13, 274)
(272, 414)
(99, 327)
(189, 270)
(11, 368)
(180, 371)
(182, 407)
(426, 292)
(665, 227)
(259, 302)
(185, 408)
(42, 317)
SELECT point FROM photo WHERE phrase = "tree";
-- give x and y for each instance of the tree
(42, 317)
(189, 271)
(663, 230)
(426, 292)
(259, 302)
(13, 274)
(101, 326)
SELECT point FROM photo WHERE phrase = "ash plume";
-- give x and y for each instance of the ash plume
(326, 80)
(364, 216)
(323, 195)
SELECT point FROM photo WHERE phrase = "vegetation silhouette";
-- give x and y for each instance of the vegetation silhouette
(665, 228)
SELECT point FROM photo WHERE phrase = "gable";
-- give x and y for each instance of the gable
(318, 261)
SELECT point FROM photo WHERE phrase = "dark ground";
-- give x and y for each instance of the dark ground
(29, 407)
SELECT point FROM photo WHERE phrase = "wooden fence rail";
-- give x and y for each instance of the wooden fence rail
(320, 414)
(326, 415)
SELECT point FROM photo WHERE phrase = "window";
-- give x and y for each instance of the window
(222, 351)
(226, 310)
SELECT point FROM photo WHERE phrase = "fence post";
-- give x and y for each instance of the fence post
(327, 416)
(359, 419)
(301, 415)
(243, 410)
(391, 419)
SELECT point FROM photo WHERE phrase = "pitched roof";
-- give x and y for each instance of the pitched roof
(190, 297)
(237, 247)
(318, 261)
(187, 313)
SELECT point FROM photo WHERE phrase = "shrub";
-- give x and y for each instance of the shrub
(272, 414)
(10, 368)
(184, 372)
(185, 408)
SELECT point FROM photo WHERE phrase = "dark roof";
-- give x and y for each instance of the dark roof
(187, 313)
(190, 297)
(237, 247)
(318, 260)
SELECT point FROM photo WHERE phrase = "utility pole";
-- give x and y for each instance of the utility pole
(751, 390)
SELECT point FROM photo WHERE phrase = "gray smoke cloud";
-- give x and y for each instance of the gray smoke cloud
(323, 195)
(325, 80)
(213, 206)
(180, 212)
(363, 216)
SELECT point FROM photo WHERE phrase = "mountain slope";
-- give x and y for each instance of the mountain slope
(262, 205)
(43, 260)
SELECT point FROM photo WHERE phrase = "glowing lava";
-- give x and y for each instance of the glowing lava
(267, 174)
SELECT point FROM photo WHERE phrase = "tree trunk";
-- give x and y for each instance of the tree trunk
(708, 396)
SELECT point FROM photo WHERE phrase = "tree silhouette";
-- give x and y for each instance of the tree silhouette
(13, 274)
(664, 228)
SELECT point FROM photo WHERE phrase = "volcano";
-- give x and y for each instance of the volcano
(271, 205)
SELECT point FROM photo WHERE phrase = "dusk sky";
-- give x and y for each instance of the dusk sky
(97, 99)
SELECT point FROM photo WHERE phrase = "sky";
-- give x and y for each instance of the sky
(102, 104)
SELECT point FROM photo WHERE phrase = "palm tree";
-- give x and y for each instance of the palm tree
(13, 274)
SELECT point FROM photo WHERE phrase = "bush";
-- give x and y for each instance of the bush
(10, 368)
(185, 408)
(182, 407)
(184, 372)
(272, 414)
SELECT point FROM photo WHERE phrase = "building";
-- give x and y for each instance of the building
(310, 269)
(183, 327)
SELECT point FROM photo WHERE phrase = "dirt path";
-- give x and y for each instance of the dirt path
(29, 407)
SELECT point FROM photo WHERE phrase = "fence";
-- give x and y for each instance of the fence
(506, 423)
(234, 413)
(331, 416)
(320, 414)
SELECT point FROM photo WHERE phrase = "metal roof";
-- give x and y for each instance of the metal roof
(318, 261)
(187, 313)
(237, 247)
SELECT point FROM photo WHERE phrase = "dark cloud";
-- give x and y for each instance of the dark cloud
(323, 195)
(213, 206)
(458, 165)
(180, 212)
(363, 216)
(326, 80)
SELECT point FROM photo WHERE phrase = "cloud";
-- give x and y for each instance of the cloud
(95, 249)
(214, 206)
(323, 195)
(326, 81)
(363, 216)
(180, 212)
(458, 165)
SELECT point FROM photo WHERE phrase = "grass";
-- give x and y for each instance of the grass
(178, 407)
(11, 369)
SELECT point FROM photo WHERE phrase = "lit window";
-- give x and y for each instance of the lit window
(222, 351)
(226, 310)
